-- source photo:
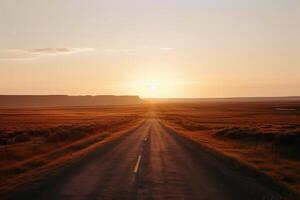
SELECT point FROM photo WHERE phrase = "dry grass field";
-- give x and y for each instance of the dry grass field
(264, 135)
(32, 138)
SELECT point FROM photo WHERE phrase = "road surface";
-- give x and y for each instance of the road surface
(149, 163)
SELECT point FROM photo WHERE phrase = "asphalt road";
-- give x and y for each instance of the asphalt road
(149, 163)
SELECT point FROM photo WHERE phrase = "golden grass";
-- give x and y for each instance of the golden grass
(33, 141)
(55, 135)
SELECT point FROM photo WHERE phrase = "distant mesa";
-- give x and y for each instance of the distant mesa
(65, 100)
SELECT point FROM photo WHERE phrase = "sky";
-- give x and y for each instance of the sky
(150, 48)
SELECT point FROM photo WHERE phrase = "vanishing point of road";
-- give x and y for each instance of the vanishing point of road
(150, 162)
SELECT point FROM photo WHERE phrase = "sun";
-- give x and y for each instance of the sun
(153, 87)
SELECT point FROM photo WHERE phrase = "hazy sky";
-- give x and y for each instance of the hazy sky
(151, 48)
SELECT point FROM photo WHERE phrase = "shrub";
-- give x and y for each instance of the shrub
(58, 137)
(289, 139)
(64, 133)
(22, 138)
(3, 141)
(191, 126)
(39, 133)
(71, 133)
(78, 133)
(239, 133)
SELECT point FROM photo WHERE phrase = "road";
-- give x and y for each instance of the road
(149, 163)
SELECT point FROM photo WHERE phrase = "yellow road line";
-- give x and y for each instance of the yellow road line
(136, 168)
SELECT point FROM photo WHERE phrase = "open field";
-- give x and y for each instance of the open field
(156, 150)
(151, 161)
(32, 138)
(264, 135)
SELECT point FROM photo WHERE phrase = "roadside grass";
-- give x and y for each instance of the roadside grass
(288, 139)
(64, 143)
(43, 165)
(253, 133)
(31, 139)
(21, 145)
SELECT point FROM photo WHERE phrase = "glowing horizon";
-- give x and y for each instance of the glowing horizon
(153, 49)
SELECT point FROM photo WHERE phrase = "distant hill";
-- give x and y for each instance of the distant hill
(65, 100)
(232, 99)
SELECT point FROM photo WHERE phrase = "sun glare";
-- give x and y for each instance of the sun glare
(156, 88)
(153, 87)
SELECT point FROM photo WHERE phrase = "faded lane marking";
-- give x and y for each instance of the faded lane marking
(136, 168)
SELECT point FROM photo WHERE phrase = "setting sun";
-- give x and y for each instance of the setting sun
(153, 87)
(188, 49)
(156, 88)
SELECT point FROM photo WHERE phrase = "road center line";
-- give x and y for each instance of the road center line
(136, 168)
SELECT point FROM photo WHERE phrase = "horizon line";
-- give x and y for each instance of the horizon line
(184, 98)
